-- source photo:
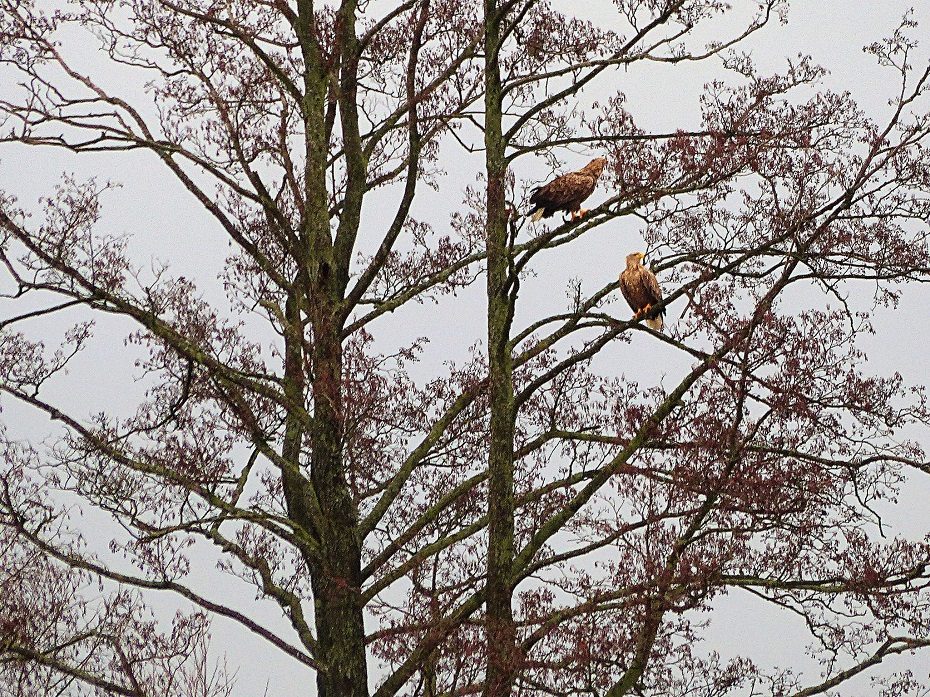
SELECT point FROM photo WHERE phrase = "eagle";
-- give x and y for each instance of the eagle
(566, 193)
(641, 289)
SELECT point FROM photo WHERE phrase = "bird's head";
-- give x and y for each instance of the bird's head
(596, 166)
(634, 259)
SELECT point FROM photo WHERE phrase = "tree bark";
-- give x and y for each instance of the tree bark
(336, 579)
(336, 574)
(500, 629)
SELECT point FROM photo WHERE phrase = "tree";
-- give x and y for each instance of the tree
(520, 521)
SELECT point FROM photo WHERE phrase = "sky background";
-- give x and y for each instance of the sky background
(164, 223)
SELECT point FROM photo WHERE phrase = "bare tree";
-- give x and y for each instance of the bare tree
(518, 523)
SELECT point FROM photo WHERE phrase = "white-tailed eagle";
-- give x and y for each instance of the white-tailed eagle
(641, 289)
(565, 193)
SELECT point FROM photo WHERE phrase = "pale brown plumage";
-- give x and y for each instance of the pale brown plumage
(641, 290)
(565, 193)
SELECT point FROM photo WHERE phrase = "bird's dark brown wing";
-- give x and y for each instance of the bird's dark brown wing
(651, 286)
(561, 192)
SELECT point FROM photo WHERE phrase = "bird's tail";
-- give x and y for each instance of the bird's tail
(655, 323)
(536, 215)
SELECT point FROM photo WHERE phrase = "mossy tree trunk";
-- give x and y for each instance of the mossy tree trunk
(501, 291)
(332, 517)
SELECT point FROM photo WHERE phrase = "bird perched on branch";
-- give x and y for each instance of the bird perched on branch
(565, 193)
(641, 289)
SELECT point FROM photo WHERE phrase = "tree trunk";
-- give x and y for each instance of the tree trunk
(337, 578)
(501, 659)
(336, 573)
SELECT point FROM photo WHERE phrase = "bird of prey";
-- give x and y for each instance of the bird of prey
(565, 193)
(641, 289)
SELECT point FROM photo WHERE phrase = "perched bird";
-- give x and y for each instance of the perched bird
(566, 193)
(641, 289)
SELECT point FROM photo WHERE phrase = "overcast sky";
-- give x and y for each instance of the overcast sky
(165, 223)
